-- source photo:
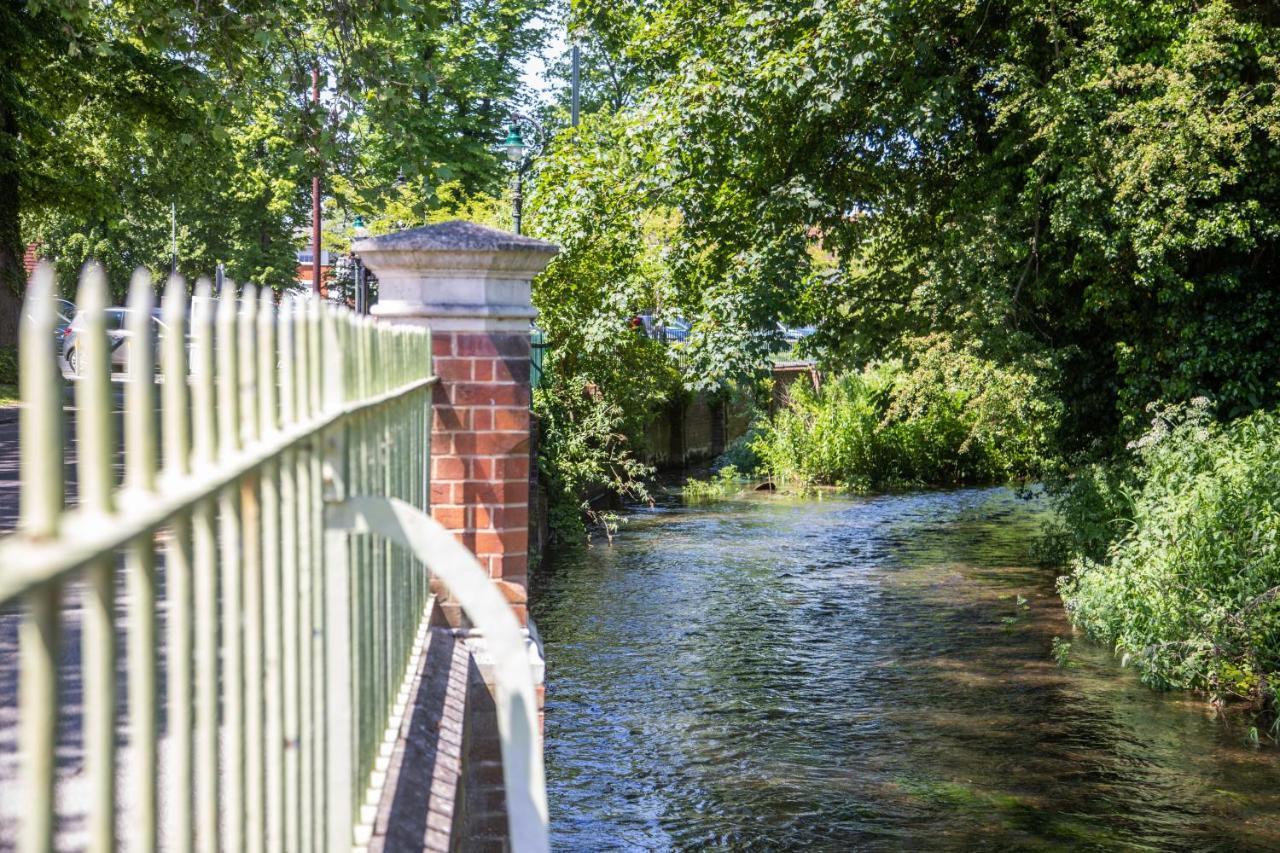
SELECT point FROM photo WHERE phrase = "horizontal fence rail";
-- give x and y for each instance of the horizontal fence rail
(242, 669)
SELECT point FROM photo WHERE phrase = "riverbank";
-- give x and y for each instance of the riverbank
(874, 672)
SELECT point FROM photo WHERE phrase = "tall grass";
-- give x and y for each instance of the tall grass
(950, 417)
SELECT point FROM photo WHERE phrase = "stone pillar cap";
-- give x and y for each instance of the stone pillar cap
(456, 235)
(456, 275)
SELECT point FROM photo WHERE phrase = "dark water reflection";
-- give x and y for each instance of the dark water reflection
(861, 674)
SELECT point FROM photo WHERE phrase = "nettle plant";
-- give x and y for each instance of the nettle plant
(1190, 594)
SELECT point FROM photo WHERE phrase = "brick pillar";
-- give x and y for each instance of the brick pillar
(470, 285)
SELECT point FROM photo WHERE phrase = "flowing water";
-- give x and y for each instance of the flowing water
(864, 674)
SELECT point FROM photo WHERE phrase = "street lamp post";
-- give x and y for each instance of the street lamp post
(361, 275)
(515, 148)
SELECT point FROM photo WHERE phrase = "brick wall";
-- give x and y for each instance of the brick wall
(31, 258)
(480, 450)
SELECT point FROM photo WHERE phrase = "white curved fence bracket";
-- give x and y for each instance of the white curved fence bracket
(455, 566)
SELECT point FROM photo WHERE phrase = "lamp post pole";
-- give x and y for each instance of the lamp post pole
(573, 100)
(517, 153)
(519, 196)
(315, 194)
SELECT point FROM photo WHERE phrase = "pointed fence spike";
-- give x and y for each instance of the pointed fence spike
(95, 450)
(40, 424)
(142, 333)
(174, 369)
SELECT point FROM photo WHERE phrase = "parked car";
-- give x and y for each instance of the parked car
(66, 310)
(793, 334)
(661, 328)
(118, 340)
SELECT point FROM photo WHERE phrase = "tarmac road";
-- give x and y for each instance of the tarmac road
(72, 790)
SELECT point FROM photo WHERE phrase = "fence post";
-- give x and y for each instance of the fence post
(471, 286)
(342, 785)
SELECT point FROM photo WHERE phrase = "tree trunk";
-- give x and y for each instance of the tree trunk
(13, 278)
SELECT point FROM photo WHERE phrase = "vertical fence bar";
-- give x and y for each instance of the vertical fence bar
(229, 529)
(290, 627)
(205, 563)
(315, 376)
(306, 563)
(95, 449)
(140, 479)
(339, 800)
(177, 447)
(428, 357)
(40, 432)
(365, 554)
(303, 636)
(251, 534)
(273, 704)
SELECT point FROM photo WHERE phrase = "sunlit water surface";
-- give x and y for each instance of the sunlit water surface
(864, 674)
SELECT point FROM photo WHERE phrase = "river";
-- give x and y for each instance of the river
(864, 673)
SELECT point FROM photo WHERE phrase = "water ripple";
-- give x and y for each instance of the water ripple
(863, 673)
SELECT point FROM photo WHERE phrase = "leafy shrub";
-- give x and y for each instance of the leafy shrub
(741, 453)
(951, 417)
(726, 483)
(1093, 507)
(1190, 594)
(8, 365)
(582, 446)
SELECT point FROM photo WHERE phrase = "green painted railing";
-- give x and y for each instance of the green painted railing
(286, 633)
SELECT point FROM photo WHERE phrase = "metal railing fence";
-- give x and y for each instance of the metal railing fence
(284, 646)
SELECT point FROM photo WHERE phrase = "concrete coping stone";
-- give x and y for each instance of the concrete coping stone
(453, 236)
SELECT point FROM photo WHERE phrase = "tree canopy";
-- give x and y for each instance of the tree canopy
(112, 114)
(1093, 180)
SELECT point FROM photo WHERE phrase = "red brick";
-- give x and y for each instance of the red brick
(482, 369)
(511, 370)
(500, 517)
(514, 419)
(442, 493)
(515, 467)
(451, 419)
(463, 443)
(452, 517)
(448, 468)
(485, 394)
(472, 493)
(483, 468)
(441, 343)
(495, 443)
(481, 419)
(500, 468)
(490, 542)
(452, 369)
(510, 566)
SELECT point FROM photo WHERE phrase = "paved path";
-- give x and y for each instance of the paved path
(72, 785)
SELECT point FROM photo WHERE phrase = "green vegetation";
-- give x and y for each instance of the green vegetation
(112, 114)
(1077, 203)
(726, 483)
(1188, 590)
(951, 417)
(8, 365)
(582, 447)
(1090, 183)
(1016, 224)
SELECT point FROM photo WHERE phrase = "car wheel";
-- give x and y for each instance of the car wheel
(73, 360)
